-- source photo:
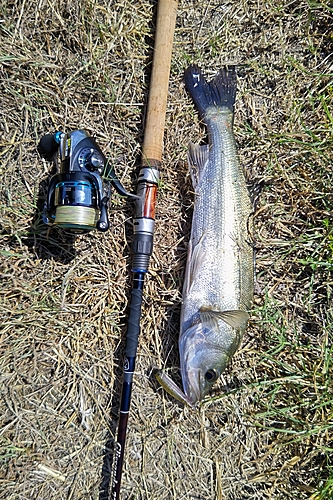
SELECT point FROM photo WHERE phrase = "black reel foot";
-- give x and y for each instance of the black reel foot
(47, 146)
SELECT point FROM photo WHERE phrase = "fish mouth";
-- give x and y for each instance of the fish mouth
(191, 385)
(190, 369)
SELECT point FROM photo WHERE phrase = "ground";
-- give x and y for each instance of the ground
(265, 431)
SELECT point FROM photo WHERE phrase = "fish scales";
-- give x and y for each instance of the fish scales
(218, 286)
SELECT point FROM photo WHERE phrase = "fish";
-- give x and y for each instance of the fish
(219, 277)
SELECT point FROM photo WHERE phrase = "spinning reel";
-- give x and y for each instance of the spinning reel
(78, 195)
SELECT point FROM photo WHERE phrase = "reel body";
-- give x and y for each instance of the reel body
(79, 193)
(77, 198)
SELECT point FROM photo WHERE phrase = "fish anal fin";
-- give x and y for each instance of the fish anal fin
(237, 319)
(198, 157)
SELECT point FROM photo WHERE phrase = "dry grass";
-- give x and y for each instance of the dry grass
(266, 431)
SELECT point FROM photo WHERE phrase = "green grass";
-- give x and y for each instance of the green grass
(325, 491)
(265, 433)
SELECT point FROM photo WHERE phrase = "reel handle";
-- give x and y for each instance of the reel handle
(103, 224)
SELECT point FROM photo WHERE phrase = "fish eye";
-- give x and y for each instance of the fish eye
(212, 375)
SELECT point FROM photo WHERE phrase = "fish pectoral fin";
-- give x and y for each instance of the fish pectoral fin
(198, 157)
(187, 278)
(237, 319)
(196, 256)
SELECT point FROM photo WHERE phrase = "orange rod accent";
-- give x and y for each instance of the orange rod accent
(150, 201)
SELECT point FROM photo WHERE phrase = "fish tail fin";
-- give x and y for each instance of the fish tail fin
(219, 92)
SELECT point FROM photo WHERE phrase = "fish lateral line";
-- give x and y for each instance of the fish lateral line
(172, 388)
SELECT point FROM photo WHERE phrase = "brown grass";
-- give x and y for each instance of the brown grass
(265, 431)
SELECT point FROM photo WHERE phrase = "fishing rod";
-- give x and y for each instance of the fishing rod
(144, 220)
(79, 195)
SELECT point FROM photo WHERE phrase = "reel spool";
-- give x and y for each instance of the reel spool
(77, 198)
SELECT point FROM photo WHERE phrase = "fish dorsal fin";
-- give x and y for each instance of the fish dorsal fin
(194, 261)
(198, 157)
(236, 318)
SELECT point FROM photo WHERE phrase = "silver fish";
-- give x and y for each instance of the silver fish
(219, 278)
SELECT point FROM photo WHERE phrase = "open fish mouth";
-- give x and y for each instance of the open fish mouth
(169, 385)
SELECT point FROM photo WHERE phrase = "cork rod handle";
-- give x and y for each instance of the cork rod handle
(159, 83)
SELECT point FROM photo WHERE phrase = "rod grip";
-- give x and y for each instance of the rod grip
(159, 82)
(133, 325)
